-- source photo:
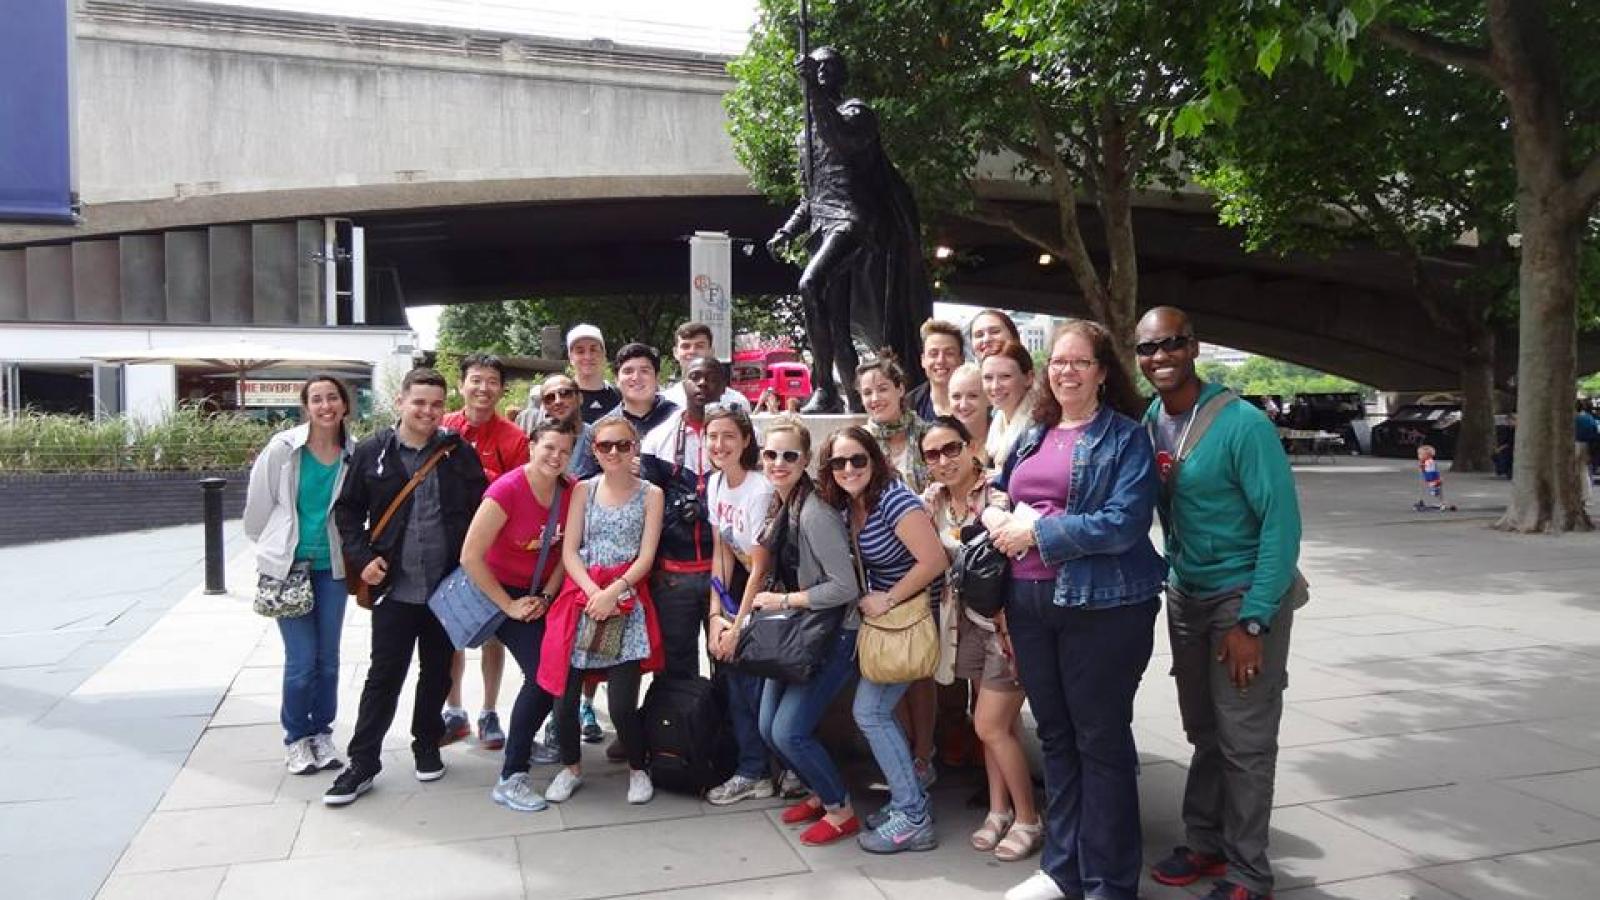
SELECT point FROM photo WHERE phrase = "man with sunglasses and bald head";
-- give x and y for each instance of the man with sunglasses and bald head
(560, 399)
(1232, 526)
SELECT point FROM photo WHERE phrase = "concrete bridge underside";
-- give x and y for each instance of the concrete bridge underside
(212, 142)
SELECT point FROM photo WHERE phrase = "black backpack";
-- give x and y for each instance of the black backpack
(686, 728)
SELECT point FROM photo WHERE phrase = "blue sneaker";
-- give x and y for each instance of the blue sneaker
(900, 832)
(592, 732)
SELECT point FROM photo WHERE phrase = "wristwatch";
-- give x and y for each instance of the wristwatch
(1253, 627)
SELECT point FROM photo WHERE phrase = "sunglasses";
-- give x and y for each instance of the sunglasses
(789, 456)
(951, 450)
(559, 394)
(609, 447)
(855, 461)
(1165, 345)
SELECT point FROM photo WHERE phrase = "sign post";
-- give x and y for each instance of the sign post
(711, 288)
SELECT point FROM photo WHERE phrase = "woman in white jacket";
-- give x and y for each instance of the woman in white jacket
(288, 514)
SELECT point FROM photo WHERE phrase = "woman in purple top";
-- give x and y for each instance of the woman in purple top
(1082, 608)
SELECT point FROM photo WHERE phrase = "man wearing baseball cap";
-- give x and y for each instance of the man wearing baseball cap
(586, 349)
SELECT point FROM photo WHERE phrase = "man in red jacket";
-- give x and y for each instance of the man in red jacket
(502, 447)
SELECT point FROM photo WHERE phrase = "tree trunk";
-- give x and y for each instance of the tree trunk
(1121, 311)
(1546, 493)
(1475, 441)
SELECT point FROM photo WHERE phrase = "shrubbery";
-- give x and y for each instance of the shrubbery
(188, 440)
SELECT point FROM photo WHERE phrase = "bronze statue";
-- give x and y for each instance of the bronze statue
(865, 275)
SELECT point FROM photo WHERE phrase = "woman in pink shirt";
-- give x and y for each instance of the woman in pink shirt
(500, 554)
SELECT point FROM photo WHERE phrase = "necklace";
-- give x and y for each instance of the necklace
(1076, 423)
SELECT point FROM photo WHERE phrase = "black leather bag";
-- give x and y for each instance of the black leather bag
(982, 573)
(786, 644)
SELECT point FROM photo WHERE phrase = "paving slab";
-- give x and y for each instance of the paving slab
(409, 873)
(1463, 822)
(184, 839)
(1568, 872)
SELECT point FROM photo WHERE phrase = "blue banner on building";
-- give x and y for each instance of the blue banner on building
(36, 111)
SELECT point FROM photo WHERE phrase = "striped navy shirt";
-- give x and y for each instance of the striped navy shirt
(885, 558)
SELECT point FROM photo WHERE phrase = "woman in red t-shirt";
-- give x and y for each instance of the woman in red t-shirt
(500, 553)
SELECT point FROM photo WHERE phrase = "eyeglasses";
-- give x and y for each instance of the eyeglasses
(1165, 345)
(854, 461)
(1061, 364)
(952, 450)
(789, 456)
(609, 447)
(559, 394)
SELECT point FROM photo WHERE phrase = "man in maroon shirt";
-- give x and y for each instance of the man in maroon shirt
(502, 447)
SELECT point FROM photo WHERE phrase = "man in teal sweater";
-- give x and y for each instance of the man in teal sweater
(1232, 524)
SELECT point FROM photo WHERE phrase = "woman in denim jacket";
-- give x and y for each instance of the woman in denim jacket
(1085, 581)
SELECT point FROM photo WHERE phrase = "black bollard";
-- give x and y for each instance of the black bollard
(216, 581)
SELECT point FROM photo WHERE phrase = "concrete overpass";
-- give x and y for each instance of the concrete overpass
(213, 145)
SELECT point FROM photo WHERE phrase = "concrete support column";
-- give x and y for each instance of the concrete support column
(274, 274)
(144, 274)
(13, 286)
(187, 261)
(231, 276)
(49, 283)
(96, 282)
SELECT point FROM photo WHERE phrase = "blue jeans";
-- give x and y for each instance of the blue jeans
(311, 661)
(1080, 668)
(744, 714)
(874, 712)
(790, 714)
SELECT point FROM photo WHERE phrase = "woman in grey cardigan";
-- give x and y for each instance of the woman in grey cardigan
(826, 576)
(287, 514)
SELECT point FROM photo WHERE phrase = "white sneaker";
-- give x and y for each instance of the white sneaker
(562, 786)
(1039, 886)
(299, 758)
(327, 755)
(640, 789)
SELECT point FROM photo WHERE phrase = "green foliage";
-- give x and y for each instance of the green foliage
(187, 440)
(1260, 375)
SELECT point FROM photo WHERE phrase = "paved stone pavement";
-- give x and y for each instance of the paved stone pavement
(1441, 742)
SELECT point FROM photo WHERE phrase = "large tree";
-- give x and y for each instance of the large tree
(1078, 99)
(1543, 57)
(1417, 159)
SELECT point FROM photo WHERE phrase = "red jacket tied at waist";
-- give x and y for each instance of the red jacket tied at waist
(561, 628)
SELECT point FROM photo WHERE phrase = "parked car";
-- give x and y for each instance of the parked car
(1416, 424)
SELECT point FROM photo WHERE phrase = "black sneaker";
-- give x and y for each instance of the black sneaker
(354, 781)
(429, 766)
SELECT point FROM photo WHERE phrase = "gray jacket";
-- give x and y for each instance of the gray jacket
(269, 515)
(827, 568)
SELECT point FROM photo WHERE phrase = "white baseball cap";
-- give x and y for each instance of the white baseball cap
(585, 330)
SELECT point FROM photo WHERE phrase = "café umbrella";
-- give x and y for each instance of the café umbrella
(238, 357)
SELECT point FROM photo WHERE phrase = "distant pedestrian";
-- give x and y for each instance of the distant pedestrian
(502, 447)
(1232, 525)
(427, 482)
(1432, 496)
(288, 513)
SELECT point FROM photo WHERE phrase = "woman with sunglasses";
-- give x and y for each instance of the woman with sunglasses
(1082, 608)
(502, 548)
(613, 528)
(956, 500)
(806, 534)
(900, 557)
(737, 498)
(970, 406)
(895, 426)
(1008, 382)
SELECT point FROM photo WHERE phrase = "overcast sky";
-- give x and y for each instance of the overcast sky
(708, 26)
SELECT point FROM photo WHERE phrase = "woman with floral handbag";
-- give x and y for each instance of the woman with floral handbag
(899, 558)
(603, 620)
(287, 513)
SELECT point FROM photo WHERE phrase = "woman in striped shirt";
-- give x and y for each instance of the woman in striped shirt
(901, 558)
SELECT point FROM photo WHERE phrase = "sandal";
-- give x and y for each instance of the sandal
(1021, 842)
(987, 837)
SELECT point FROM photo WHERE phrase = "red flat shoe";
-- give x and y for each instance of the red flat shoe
(802, 812)
(825, 832)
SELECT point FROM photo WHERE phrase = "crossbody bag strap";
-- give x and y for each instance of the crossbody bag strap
(1192, 433)
(416, 479)
(544, 539)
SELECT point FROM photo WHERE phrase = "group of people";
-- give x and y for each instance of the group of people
(625, 530)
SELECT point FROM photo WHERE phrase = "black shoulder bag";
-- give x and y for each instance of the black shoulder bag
(786, 644)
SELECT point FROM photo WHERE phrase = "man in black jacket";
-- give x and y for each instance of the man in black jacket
(416, 550)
